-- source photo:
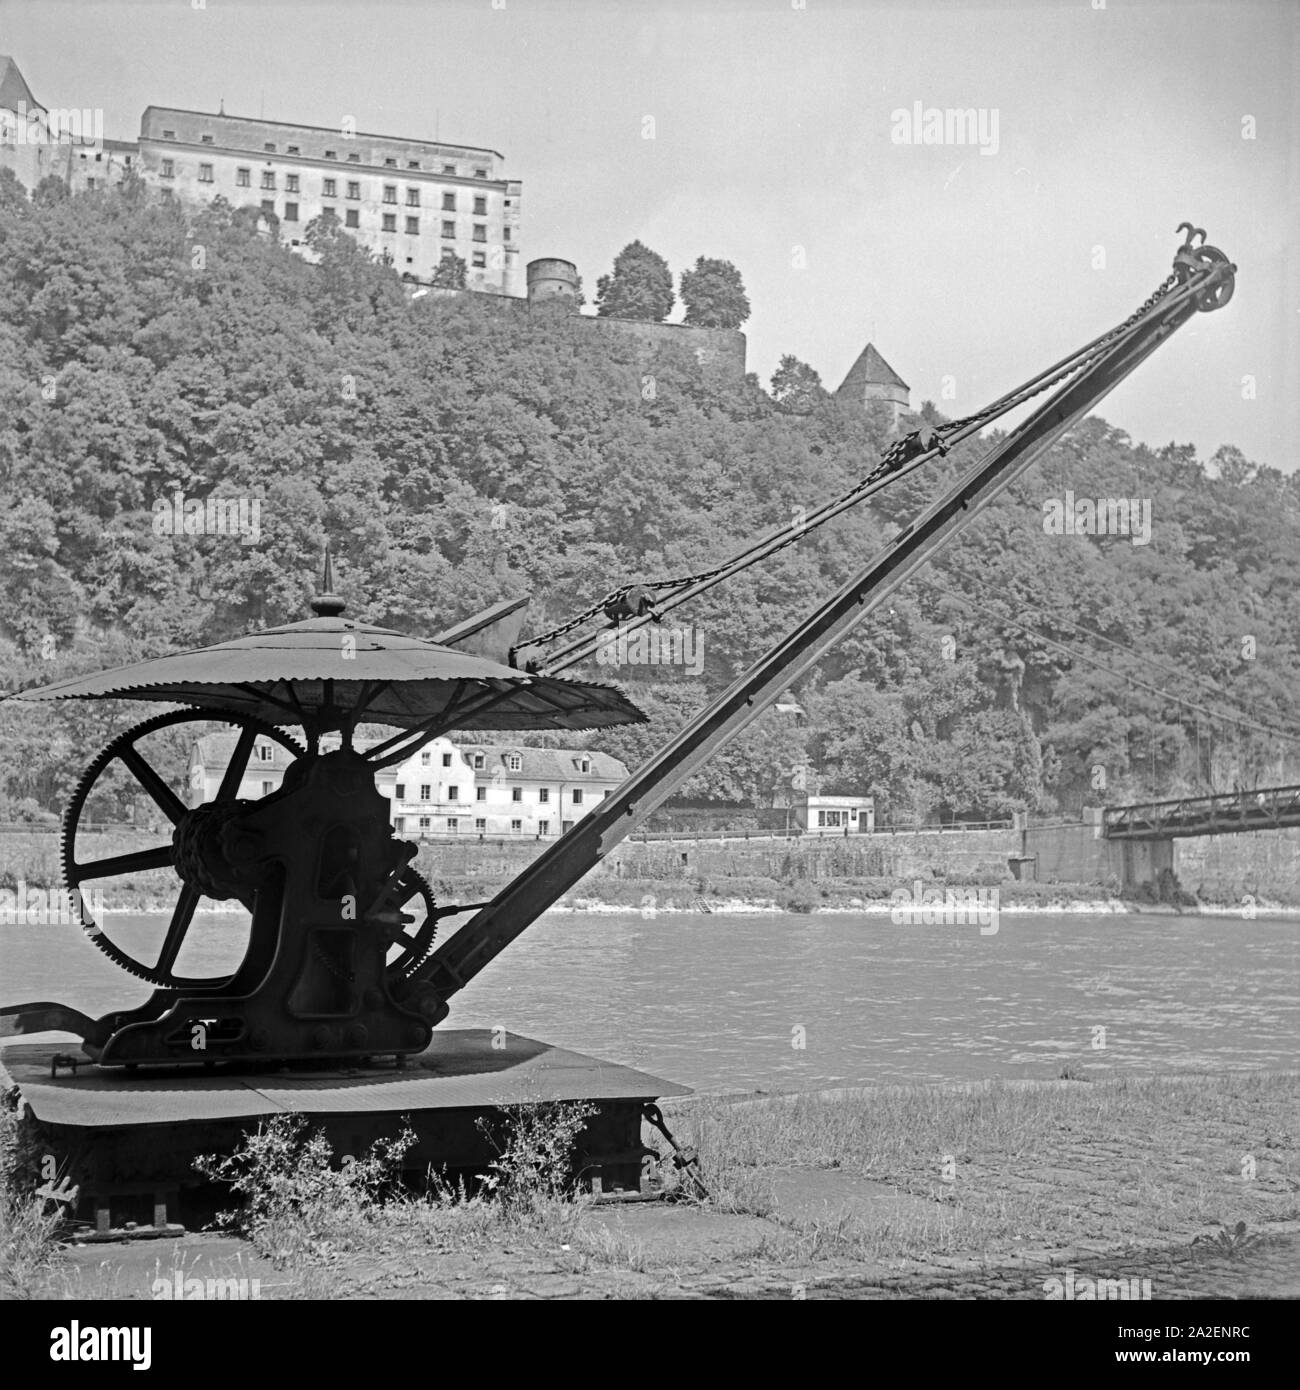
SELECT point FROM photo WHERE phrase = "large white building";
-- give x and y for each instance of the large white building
(414, 203)
(447, 788)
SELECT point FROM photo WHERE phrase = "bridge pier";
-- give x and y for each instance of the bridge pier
(1145, 861)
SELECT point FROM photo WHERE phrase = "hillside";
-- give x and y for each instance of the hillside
(454, 454)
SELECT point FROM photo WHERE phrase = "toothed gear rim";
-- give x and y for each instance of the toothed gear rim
(71, 817)
(419, 947)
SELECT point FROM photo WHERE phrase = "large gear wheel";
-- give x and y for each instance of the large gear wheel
(417, 947)
(76, 872)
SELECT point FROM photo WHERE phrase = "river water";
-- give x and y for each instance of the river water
(727, 1002)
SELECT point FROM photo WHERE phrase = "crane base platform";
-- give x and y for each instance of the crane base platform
(126, 1140)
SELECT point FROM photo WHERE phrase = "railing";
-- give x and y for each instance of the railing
(1266, 808)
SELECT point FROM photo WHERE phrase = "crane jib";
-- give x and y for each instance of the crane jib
(1203, 283)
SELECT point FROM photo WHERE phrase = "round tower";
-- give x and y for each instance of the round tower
(552, 279)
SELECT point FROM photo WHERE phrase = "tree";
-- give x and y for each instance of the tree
(641, 286)
(714, 295)
(797, 387)
(13, 194)
(450, 274)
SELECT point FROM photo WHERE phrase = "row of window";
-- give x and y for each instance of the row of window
(480, 824)
(390, 161)
(514, 761)
(481, 794)
(329, 187)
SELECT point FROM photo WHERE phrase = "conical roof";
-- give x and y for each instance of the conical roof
(871, 369)
(13, 87)
(313, 672)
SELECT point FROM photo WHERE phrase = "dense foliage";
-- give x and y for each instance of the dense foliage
(456, 450)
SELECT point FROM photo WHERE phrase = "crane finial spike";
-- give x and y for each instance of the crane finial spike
(327, 604)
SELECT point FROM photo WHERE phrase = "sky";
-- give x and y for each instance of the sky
(766, 133)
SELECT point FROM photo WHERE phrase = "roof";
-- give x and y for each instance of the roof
(550, 764)
(331, 131)
(215, 749)
(871, 369)
(14, 88)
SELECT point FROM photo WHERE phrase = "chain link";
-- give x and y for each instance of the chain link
(903, 450)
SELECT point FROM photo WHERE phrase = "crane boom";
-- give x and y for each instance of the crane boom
(1205, 282)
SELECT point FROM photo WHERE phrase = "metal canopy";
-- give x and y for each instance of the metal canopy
(330, 669)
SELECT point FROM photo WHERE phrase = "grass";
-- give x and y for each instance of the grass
(29, 1223)
(996, 1166)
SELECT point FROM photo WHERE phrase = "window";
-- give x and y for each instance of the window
(390, 193)
(426, 758)
(291, 212)
(516, 793)
(425, 822)
(480, 793)
(205, 173)
(291, 183)
(506, 233)
(400, 790)
(480, 232)
(264, 753)
(331, 154)
(390, 163)
(354, 159)
(205, 139)
(412, 226)
(544, 794)
(516, 826)
(446, 168)
(426, 792)
(390, 222)
(412, 197)
(478, 760)
(577, 796)
(514, 762)
(480, 260)
(399, 824)
(543, 827)
(447, 253)
(566, 826)
(453, 793)
(449, 231)
(269, 147)
(352, 219)
(480, 824)
(480, 206)
(268, 206)
(243, 178)
(169, 168)
(90, 185)
(268, 178)
(169, 135)
(604, 796)
(354, 189)
(453, 822)
(267, 788)
(480, 173)
(295, 149)
(449, 202)
(446, 760)
(412, 163)
(329, 189)
(584, 764)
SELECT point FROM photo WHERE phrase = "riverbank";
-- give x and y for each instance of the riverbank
(1187, 1185)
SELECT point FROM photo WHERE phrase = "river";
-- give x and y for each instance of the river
(727, 1002)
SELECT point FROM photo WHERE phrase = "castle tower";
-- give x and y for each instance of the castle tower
(550, 278)
(22, 148)
(871, 378)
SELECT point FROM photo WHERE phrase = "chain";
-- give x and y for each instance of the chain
(911, 446)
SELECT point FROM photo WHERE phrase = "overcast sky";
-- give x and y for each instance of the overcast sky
(774, 147)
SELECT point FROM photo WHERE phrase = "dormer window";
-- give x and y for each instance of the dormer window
(295, 149)
(584, 764)
(206, 139)
(169, 135)
(479, 762)
(514, 762)
(269, 147)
